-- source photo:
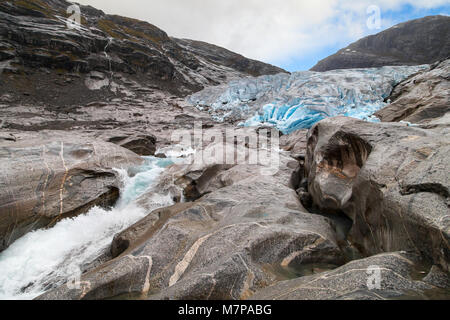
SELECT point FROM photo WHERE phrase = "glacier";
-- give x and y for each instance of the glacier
(297, 101)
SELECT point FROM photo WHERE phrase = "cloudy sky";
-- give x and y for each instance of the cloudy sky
(293, 34)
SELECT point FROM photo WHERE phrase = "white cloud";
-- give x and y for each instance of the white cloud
(266, 30)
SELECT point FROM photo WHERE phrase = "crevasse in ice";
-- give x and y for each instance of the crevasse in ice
(296, 101)
(47, 258)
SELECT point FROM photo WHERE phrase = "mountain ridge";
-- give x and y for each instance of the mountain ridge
(419, 41)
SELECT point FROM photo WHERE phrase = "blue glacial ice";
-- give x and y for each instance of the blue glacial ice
(299, 100)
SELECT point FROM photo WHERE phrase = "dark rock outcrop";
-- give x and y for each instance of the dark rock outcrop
(420, 41)
(390, 179)
(44, 180)
(421, 98)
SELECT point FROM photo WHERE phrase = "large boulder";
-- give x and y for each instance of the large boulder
(420, 98)
(142, 144)
(390, 179)
(43, 180)
(357, 280)
(241, 236)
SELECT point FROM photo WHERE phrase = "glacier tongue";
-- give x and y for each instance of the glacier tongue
(296, 101)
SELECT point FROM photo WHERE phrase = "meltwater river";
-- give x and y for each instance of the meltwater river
(46, 258)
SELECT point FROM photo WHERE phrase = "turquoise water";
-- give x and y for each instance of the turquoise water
(49, 257)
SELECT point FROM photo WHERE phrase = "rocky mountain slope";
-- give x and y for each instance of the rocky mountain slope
(113, 80)
(250, 235)
(420, 41)
(105, 52)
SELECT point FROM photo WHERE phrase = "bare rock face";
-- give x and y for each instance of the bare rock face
(46, 179)
(420, 41)
(421, 98)
(356, 281)
(221, 56)
(238, 238)
(390, 179)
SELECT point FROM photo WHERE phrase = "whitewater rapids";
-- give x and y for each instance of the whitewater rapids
(47, 258)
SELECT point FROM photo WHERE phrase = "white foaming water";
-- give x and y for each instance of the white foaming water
(49, 257)
(296, 101)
